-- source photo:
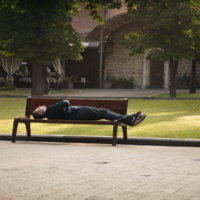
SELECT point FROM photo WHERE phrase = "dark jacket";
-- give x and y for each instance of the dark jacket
(55, 111)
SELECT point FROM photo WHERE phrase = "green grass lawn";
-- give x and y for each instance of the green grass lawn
(180, 94)
(27, 92)
(165, 119)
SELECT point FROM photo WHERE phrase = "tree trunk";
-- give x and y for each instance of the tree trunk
(37, 78)
(173, 70)
(193, 78)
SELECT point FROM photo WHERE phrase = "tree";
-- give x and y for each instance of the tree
(194, 49)
(195, 56)
(193, 78)
(39, 31)
(167, 28)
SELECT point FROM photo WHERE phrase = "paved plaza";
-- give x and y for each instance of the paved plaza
(117, 93)
(48, 170)
(104, 93)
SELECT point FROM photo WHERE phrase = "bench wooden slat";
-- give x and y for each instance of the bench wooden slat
(81, 101)
(65, 121)
(75, 102)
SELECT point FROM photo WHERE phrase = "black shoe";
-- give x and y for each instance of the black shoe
(133, 121)
(140, 119)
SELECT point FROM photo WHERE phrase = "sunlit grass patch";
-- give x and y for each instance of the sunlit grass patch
(165, 113)
(180, 94)
(167, 118)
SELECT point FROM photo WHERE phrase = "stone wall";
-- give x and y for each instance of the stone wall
(119, 63)
(185, 67)
(84, 24)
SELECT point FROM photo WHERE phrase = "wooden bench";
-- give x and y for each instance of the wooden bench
(118, 106)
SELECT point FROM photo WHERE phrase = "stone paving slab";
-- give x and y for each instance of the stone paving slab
(42, 170)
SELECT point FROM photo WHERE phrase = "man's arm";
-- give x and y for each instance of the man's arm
(62, 105)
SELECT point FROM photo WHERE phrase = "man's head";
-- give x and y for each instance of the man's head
(38, 113)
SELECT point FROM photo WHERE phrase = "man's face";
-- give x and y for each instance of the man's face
(40, 109)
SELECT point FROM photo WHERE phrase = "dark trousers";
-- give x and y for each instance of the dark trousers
(90, 113)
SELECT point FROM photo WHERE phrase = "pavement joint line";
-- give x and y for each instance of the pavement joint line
(106, 140)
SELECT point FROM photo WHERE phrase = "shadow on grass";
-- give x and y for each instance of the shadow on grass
(84, 130)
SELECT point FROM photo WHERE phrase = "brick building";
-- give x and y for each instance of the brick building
(115, 59)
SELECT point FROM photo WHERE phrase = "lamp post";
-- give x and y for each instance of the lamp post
(101, 58)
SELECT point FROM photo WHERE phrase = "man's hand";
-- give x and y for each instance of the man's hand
(64, 108)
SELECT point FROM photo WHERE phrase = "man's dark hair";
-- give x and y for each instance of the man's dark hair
(37, 116)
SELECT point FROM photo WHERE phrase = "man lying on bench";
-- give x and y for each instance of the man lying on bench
(63, 110)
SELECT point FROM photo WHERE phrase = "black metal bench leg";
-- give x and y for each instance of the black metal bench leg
(28, 131)
(115, 127)
(14, 132)
(124, 128)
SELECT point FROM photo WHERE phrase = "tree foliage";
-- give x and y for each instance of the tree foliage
(39, 28)
(94, 6)
(170, 25)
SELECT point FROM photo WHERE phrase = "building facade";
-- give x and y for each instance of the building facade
(115, 58)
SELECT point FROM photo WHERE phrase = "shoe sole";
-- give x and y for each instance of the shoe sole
(141, 120)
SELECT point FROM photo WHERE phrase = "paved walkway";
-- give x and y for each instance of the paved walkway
(117, 93)
(47, 171)
(105, 93)
(129, 93)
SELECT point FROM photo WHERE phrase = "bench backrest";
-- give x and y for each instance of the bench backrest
(118, 106)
